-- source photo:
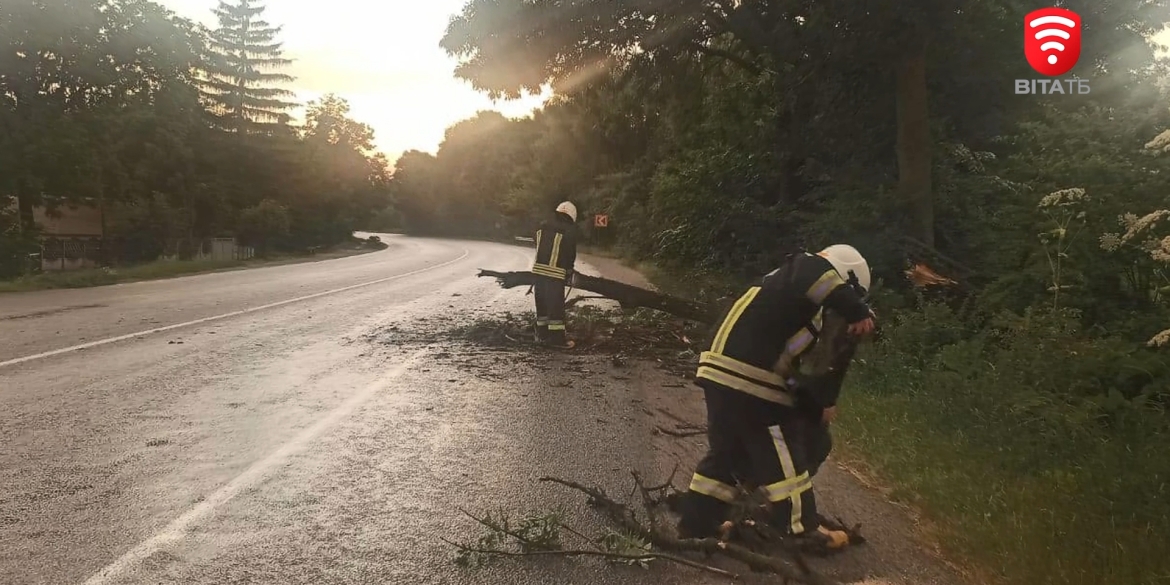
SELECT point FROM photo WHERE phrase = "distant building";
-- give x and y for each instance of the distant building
(71, 236)
(83, 221)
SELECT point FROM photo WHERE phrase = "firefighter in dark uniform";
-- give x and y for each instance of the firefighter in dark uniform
(760, 414)
(556, 254)
(821, 375)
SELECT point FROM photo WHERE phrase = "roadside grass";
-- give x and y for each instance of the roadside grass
(1018, 480)
(157, 270)
(104, 276)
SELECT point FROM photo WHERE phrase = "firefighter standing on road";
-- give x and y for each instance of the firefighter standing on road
(556, 254)
(758, 420)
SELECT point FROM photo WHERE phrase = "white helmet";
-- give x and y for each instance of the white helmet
(568, 209)
(848, 262)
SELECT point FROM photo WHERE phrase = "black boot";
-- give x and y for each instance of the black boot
(557, 339)
(701, 516)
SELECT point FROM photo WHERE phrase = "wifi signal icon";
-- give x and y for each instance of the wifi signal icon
(1052, 40)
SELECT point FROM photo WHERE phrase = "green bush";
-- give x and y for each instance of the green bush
(264, 226)
(106, 275)
(1040, 451)
(15, 245)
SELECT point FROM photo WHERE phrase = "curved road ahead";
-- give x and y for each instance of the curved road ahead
(246, 427)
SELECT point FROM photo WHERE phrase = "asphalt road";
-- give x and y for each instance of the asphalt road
(243, 427)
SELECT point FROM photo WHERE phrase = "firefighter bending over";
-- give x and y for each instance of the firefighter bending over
(556, 253)
(759, 424)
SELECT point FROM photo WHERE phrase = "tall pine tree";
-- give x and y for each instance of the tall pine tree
(242, 84)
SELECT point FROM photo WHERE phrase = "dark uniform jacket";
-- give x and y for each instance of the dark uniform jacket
(756, 349)
(556, 249)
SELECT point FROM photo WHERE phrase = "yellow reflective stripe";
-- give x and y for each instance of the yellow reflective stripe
(789, 468)
(789, 488)
(798, 343)
(824, 286)
(741, 368)
(746, 386)
(556, 325)
(546, 270)
(720, 340)
(556, 249)
(542, 322)
(714, 488)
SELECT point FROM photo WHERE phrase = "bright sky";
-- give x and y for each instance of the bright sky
(382, 56)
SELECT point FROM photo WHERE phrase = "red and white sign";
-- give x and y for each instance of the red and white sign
(1052, 40)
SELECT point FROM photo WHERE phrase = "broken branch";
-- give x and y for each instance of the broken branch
(680, 433)
(628, 296)
(669, 483)
(621, 515)
(682, 422)
(573, 301)
(595, 553)
(492, 526)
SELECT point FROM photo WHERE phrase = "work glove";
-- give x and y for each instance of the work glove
(863, 327)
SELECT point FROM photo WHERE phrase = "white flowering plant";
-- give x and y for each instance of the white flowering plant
(1145, 242)
(1066, 216)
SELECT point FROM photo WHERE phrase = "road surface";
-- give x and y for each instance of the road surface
(247, 427)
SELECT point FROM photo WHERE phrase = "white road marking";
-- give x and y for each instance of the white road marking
(177, 529)
(29, 358)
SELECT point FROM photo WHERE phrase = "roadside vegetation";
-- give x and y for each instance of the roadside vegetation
(161, 269)
(176, 134)
(1019, 402)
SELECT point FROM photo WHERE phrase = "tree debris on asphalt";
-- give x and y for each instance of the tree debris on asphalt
(639, 539)
(622, 335)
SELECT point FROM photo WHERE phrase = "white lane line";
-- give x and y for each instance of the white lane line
(29, 358)
(178, 528)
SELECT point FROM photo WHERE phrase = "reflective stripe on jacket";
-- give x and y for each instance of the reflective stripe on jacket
(556, 250)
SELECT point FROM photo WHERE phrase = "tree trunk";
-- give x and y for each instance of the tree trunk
(630, 297)
(914, 143)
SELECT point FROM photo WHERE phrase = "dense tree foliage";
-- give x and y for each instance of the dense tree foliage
(113, 103)
(719, 135)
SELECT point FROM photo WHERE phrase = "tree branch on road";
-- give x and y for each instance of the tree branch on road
(596, 553)
(795, 570)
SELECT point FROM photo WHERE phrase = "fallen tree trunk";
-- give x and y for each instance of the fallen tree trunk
(628, 296)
